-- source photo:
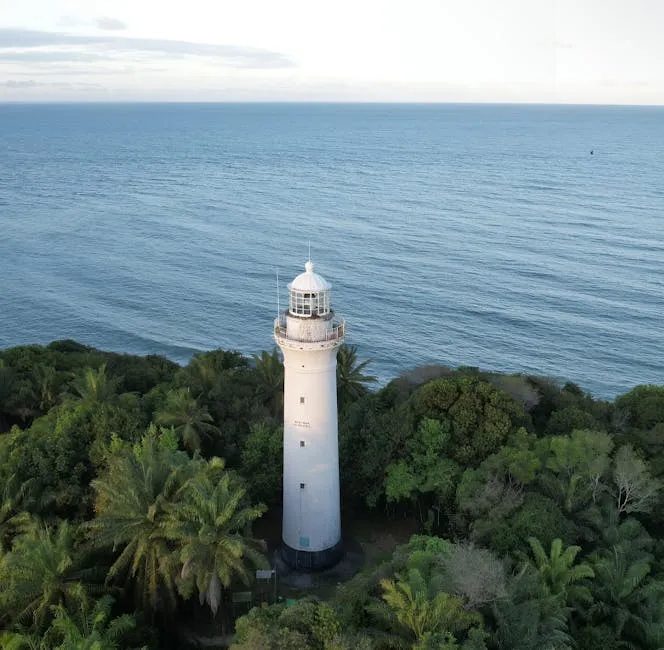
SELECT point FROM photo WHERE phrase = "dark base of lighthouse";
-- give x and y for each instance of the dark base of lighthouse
(311, 560)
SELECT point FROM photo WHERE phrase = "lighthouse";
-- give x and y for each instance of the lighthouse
(309, 335)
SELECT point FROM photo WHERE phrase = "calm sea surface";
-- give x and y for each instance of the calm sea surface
(475, 235)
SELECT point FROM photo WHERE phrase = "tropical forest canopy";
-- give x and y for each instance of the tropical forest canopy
(131, 489)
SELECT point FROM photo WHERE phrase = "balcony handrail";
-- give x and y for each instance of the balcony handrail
(336, 332)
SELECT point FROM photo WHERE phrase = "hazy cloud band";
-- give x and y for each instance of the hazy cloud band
(104, 47)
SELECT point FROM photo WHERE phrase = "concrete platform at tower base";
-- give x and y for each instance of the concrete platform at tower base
(347, 565)
(312, 560)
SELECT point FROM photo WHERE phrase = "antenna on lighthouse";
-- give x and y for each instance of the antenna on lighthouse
(310, 250)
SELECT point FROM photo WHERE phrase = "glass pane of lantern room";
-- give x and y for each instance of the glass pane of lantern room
(308, 299)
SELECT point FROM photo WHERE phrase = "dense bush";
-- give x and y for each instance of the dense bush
(539, 506)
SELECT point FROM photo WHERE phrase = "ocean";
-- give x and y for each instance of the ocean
(477, 235)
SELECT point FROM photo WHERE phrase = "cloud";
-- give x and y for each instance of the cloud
(110, 24)
(57, 46)
(51, 56)
(77, 70)
(33, 83)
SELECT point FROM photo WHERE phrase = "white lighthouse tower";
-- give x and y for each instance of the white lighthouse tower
(309, 334)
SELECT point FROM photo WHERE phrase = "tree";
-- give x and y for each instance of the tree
(422, 611)
(425, 471)
(206, 521)
(46, 385)
(42, 570)
(530, 618)
(622, 591)
(635, 489)
(13, 497)
(351, 382)
(132, 496)
(642, 407)
(60, 450)
(6, 388)
(307, 625)
(270, 385)
(580, 463)
(474, 574)
(481, 417)
(88, 626)
(190, 420)
(262, 463)
(559, 575)
(94, 386)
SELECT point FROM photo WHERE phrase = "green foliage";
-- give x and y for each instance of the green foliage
(480, 416)
(140, 374)
(580, 463)
(41, 571)
(309, 625)
(559, 574)
(566, 420)
(177, 523)
(370, 438)
(642, 408)
(131, 505)
(422, 610)
(95, 386)
(60, 451)
(425, 471)
(262, 462)
(88, 626)
(206, 521)
(190, 420)
(270, 381)
(635, 489)
(530, 619)
(351, 380)
(539, 516)
(623, 593)
(510, 467)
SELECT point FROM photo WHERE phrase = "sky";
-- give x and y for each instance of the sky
(549, 51)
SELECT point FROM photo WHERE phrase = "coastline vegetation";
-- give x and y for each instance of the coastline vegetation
(131, 490)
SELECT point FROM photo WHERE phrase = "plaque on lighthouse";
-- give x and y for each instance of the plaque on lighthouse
(309, 334)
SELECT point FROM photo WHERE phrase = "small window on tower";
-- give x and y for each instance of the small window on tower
(301, 400)
(302, 486)
(301, 443)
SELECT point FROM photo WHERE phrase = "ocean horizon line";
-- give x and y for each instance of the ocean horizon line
(327, 102)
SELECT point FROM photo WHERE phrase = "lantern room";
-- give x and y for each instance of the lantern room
(309, 294)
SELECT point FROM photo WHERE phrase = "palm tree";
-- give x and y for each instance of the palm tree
(87, 628)
(622, 591)
(208, 521)
(131, 499)
(530, 618)
(19, 641)
(41, 571)
(90, 626)
(204, 372)
(94, 386)
(13, 498)
(423, 610)
(45, 381)
(350, 380)
(6, 385)
(270, 373)
(558, 573)
(190, 420)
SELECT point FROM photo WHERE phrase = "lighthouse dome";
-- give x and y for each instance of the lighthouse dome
(309, 281)
(309, 294)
